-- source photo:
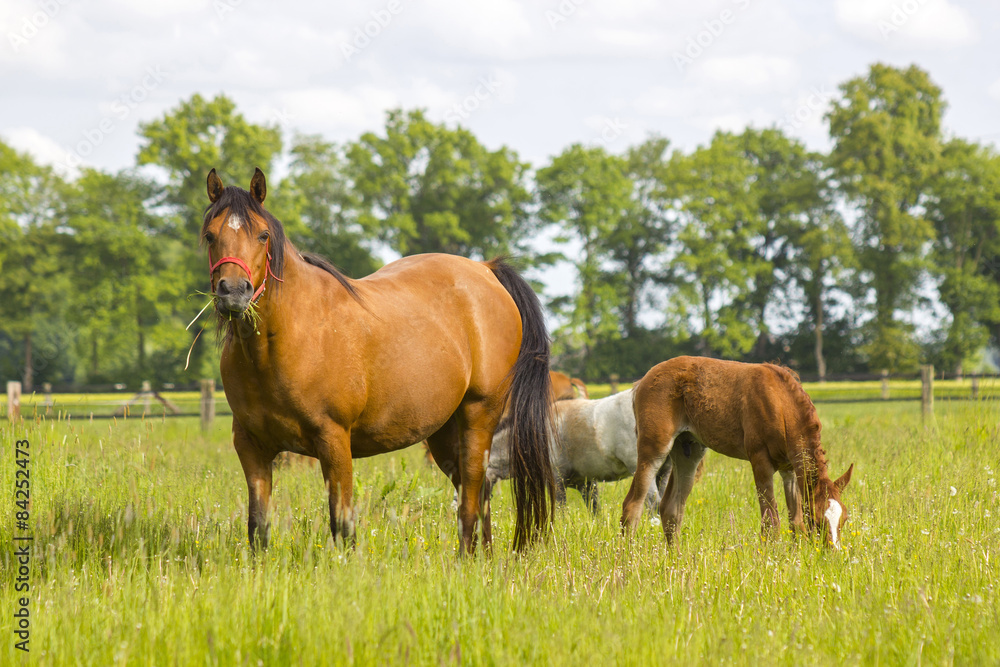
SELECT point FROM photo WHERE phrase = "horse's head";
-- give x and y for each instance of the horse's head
(828, 514)
(245, 243)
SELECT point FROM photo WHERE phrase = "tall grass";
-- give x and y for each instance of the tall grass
(141, 557)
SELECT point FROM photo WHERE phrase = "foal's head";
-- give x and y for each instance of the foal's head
(245, 243)
(827, 515)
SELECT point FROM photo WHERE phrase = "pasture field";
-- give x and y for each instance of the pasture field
(140, 557)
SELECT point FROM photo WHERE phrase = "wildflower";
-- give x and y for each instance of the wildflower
(953, 491)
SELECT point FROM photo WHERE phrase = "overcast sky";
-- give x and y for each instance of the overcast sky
(536, 76)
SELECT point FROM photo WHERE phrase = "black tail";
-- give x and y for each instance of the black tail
(528, 413)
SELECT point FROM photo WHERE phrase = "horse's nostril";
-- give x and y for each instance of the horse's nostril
(222, 288)
(246, 286)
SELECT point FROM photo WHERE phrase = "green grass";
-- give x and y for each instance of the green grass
(140, 558)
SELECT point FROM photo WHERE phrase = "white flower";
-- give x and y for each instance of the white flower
(655, 521)
(953, 490)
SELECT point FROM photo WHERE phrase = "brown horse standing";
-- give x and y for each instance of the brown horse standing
(754, 412)
(430, 347)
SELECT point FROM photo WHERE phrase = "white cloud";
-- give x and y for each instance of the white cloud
(927, 24)
(41, 148)
(751, 71)
(994, 90)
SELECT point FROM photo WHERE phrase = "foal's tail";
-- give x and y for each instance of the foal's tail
(528, 413)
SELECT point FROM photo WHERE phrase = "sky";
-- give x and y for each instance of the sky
(77, 77)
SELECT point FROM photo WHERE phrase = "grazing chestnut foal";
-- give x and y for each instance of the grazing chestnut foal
(755, 412)
(429, 347)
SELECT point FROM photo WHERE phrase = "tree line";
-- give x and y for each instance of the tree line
(749, 247)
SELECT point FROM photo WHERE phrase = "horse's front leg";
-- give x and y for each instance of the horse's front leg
(793, 499)
(333, 449)
(763, 475)
(257, 469)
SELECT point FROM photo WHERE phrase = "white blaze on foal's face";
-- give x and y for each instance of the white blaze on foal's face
(833, 513)
(235, 223)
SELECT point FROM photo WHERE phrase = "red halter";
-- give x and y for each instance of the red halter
(243, 265)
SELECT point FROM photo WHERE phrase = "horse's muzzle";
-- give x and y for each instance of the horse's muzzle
(232, 296)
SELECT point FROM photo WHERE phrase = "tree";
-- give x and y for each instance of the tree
(640, 236)
(320, 210)
(197, 136)
(966, 217)
(886, 132)
(124, 291)
(588, 193)
(428, 188)
(33, 283)
(717, 263)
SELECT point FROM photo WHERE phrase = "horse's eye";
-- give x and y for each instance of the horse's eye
(209, 238)
(263, 237)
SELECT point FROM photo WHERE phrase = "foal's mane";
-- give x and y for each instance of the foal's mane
(808, 419)
(241, 203)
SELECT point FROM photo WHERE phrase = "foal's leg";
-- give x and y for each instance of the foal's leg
(257, 469)
(763, 476)
(333, 449)
(793, 499)
(682, 479)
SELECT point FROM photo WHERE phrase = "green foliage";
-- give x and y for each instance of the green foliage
(197, 136)
(320, 210)
(427, 188)
(887, 133)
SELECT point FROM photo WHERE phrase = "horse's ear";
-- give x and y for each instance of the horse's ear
(844, 479)
(258, 186)
(215, 186)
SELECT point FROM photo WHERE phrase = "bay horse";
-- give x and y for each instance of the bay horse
(755, 412)
(592, 441)
(429, 347)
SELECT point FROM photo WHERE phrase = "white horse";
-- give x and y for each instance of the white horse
(593, 441)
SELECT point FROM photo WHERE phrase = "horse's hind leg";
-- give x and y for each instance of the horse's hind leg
(333, 449)
(257, 469)
(653, 449)
(476, 423)
(682, 478)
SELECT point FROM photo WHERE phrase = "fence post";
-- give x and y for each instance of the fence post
(975, 387)
(613, 383)
(13, 401)
(207, 403)
(885, 384)
(147, 395)
(926, 391)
